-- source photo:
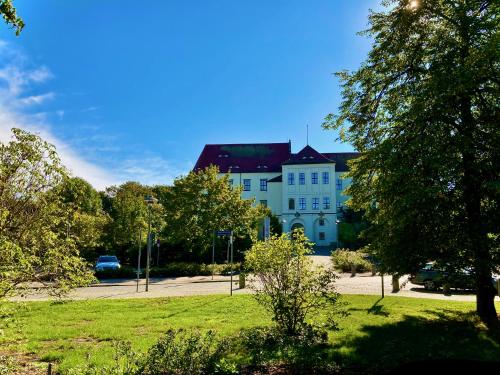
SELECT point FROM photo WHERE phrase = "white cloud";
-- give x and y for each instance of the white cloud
(16, 80)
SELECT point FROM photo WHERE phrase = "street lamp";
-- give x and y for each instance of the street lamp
(150, 200)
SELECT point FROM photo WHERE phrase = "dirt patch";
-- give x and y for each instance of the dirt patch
(21, 363)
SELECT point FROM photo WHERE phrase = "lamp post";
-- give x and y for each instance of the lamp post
(150, 200)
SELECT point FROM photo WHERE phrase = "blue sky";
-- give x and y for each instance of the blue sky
(133, 90)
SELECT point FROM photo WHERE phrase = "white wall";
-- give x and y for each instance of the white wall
(310, 217)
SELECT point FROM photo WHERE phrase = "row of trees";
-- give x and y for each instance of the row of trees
(52, 223)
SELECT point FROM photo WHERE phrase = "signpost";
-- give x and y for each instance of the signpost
(158, 253)
(139, 261)
(227, 233)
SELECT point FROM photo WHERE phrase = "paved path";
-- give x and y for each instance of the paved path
(203, 285)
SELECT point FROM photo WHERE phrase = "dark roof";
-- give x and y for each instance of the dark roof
(276, 179)
(308, 155)
(340, 159)
(245, 158)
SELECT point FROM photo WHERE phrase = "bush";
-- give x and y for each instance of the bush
(179, 269)
(289, 286)
(177, 352)
(344, 260)
(184, 353)
(268, 345)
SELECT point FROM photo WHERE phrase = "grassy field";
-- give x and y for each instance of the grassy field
(376, 334)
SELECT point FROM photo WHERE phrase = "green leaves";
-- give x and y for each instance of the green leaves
(34, 242)
(287, 283)
(202, 202)
(424, 111)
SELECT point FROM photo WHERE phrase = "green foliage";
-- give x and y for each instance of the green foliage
(202, 202)
(34, 220)
(423, 111)
(130, 217)
(268, 345)
(9, 14)
(176, 352)
(289, 286)
(185, 353)
(178, 269)
(347, 260)
(87, 220)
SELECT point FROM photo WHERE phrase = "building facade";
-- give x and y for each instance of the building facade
(304, 190)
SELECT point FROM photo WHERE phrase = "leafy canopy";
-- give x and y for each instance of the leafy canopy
(202, 202)
(423, 109)
(34, 220)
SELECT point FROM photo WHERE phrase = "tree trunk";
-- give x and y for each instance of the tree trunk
(395, 283)
(477, 238)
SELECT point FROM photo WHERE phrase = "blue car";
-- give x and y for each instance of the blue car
(107, 263)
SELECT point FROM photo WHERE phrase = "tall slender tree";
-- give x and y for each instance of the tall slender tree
(424, 111)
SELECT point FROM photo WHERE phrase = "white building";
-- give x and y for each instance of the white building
(302, 189)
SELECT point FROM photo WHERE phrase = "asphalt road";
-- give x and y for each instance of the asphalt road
(203, 285)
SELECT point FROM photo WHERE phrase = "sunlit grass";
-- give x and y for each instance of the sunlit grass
(392, 329)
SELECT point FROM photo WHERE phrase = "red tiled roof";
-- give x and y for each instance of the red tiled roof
(245, 158)
(308, 155)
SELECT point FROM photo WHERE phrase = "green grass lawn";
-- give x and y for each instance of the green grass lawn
(376, 334)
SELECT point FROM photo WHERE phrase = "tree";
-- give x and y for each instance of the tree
(202, 202)
(87, 220)
(10, 16)
(129, 212)
(34, 243)
(289, 286)
(423, 110)
(351, 227)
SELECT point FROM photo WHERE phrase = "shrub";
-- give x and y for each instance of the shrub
(177, 352)
(344, 260)
(179, 269)
(289, 286)
(268, 345)
(184, 353)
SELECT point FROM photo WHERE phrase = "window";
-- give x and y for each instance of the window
(322, 236)
(291, 178)
(326, 203)
(230, 182)
(339, 184)
(263, 203)
(315, 205)
(314, 178)
(247, 184)
(321, 222)
(339, 206)
(291, 204)
(326, 178)
(302, 178)
(263, 184)
(302, 203)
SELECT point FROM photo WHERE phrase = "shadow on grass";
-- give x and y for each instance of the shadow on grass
(441, 335)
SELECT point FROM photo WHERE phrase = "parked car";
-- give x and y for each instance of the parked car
(433, 278)
(107, 263)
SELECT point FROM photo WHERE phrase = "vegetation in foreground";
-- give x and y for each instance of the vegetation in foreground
(377, 334)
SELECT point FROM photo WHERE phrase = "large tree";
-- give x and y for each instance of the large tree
(423, 110)
(88, 223)
(202, 202)
(34, 241)
(130, 217)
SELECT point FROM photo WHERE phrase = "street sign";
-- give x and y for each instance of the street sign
(223, 233)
